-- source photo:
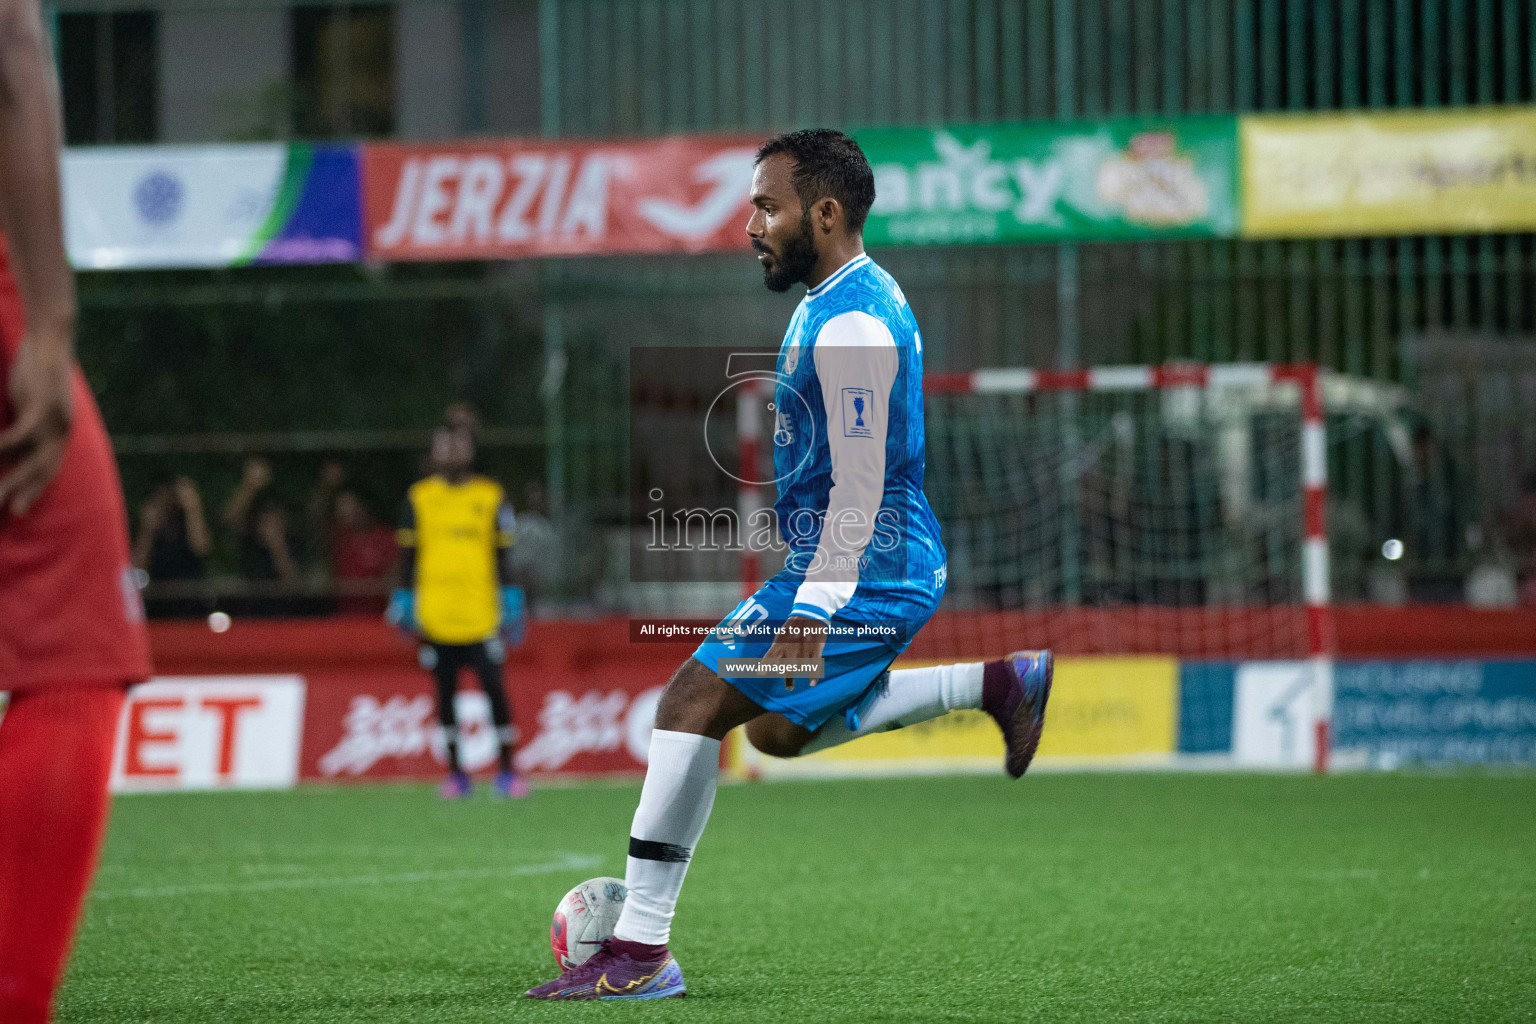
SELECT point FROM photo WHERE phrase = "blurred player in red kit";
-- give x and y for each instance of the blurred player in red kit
(72, 632)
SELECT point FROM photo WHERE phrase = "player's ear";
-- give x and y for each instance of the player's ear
(828, 214)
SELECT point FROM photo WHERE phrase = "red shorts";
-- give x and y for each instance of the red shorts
(69, 609)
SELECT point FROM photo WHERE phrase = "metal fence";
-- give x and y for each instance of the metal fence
(644, 66)
(1453, 318)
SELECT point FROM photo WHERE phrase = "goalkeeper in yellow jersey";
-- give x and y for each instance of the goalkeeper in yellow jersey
(456, 594)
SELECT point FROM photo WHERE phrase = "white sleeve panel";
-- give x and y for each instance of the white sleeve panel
(856, 360)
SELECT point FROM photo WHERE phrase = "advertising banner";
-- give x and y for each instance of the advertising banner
(1385, 713)
(384, 725)
(1398, 173)
(507, 199)
(210, 732)
(1048, 182)
(1261, 176)
(1272, 714)
(1206, 712)
(1102, 711)
(210, 206)
(1436, 711)
(1112, 707)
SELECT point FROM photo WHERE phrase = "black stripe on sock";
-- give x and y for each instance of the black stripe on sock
(646, 849)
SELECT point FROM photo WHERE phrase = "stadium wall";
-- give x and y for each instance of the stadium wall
(269, 704)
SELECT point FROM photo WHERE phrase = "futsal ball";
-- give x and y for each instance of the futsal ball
(585, 917)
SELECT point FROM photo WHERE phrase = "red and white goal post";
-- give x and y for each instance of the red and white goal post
(1176, 509)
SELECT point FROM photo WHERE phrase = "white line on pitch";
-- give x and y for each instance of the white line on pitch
(568, 863)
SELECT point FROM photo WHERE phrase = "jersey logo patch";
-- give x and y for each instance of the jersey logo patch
(791, 359)
(858, 412)
(784, 431)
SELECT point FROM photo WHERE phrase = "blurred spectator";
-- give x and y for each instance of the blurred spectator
(266, 547)
(320, 509)
(363, 552)
(1492, 585)
(254, 515)
(255, 478)
(173, 538)
(462, 416)
(1436, 536)
(536, 558)
(1522, 538)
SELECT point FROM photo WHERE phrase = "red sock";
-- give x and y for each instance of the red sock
(55, 762)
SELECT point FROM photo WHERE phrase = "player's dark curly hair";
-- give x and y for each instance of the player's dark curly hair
(827, 163)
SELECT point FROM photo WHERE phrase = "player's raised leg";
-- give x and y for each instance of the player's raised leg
(697, 709)
(1013, 690)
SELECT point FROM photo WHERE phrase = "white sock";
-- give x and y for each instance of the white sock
(674, 806)
(910, 696)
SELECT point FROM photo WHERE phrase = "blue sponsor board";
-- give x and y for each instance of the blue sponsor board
(1391, 712)
(317, 217)
(1463, 712)
(1205, 706)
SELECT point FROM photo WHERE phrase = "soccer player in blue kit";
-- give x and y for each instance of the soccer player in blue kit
(865, 570)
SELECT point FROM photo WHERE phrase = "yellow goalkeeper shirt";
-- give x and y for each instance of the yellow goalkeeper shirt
(457, 532)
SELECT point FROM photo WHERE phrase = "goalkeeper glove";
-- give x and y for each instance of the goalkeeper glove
(401, 612)
(514, 621)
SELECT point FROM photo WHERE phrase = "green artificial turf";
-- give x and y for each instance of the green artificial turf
(1058, 898)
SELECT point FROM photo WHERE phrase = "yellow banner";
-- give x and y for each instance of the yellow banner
(1394, 173)
(1110, 709)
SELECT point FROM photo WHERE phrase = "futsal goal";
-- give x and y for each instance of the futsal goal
(1177, 510)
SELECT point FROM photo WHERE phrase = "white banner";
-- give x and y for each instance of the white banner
(210, 732)
(169, 206)
(1273, 715)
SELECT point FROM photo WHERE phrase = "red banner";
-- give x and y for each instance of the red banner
(384, 724)
(583, 697)
(509, 199)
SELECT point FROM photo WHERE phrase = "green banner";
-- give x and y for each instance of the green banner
(1174, 178)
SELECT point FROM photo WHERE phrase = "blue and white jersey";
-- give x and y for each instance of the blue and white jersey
(848, 449)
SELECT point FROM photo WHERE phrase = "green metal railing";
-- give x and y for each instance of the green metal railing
(645, 66)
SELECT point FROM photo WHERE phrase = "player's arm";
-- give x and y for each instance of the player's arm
(856, 362)
(506, 538)
(855, 357)
(513, 602)
(402, 603)
(30, 216)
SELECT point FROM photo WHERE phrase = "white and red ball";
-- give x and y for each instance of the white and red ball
(585, 917)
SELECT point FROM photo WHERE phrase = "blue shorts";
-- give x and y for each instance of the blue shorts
(869, 633)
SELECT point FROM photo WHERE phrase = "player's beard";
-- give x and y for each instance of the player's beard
(795, 260)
